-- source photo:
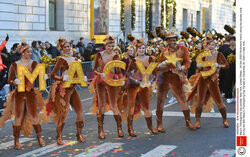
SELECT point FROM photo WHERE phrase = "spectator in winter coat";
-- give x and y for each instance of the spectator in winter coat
(4, 73)
(52, 50)
(14, 54)
(222, 77)
(2, 66)
(35, 52)
(90, 50)
(42, 48)
(80, 48)
(72, 44)
(82, 42)
(94, 47)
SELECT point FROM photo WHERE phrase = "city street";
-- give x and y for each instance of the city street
(211, 140)
(115, 42)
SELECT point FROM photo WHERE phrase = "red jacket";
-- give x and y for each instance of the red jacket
(2, 66)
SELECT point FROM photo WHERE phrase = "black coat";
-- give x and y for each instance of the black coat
(53, 51)
(6, 58)
(222, 77)
(15, 57)
(81, 49)
(90, 50)
(230, 77)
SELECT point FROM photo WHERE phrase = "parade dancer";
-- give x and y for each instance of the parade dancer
(136, 88)
(24, 105)
(128, 57)
(173, 78)
(151, 52)
(60, 98)
(160, 49)
(103, 90)
(208, 86)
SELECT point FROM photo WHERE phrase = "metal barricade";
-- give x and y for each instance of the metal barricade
(87, 68)
(3, 96)
(2, 101)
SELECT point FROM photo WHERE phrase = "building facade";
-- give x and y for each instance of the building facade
(47, 20)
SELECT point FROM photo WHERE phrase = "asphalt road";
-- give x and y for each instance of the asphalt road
(211, 140)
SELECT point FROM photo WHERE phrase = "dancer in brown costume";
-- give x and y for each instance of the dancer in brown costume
(128, 56)
(60, 98)
(136, 88)
(208, 86)
(173, 78)
(160, 50)
(25, 104)
(103, 90)
(122, 90)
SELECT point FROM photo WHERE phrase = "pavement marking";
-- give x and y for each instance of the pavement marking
(160, 151)
(207, 115)
(101, 149)
(11, 143)
(86, 99)
(109, 113)
(168, 105)
(223, 153)
(180, 114)
(47, 149)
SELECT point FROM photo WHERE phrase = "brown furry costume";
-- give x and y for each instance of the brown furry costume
(137, 93)
(24, 105)
(105, 96)
(60, 98)
(207, 87)
(173, 80)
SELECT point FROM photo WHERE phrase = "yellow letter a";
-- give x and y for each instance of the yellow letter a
(75, 67)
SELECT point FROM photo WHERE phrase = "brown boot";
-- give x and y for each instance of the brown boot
(79, 126)
(38, 131)
(100, 119)
(118, 120)
(187, 119)
(130, 126)
(224, 116)
(198, 112)
(16, 134)
(159, 121)
(150, 125)
(59, 134)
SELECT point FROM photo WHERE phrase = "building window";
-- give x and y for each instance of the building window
(52, 14)
(170, 16)
(198, 20)
(205, 19)
(191, 19)
(185, 19)
(234, 19)
(101, 17)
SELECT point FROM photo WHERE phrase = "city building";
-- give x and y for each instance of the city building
(47, 20)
